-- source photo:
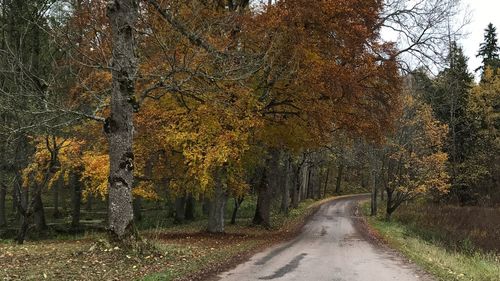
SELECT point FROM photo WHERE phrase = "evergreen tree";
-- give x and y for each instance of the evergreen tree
(482, 165)
(489, 49)
(449, 102)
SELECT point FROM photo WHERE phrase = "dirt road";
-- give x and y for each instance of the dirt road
(331, 248)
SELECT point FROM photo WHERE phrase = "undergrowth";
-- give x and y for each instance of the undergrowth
(431, 249)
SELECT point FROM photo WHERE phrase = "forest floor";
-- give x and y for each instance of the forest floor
(426, 239)
(184, 252)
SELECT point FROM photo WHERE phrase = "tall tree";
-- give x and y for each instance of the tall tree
(416, 163)
(119, 126)
(482, 165)
(27, 72)
(489, 49)
(449, 101)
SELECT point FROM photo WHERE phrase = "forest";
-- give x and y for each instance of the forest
(127, 122)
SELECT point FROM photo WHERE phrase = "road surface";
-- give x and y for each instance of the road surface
(330, 248)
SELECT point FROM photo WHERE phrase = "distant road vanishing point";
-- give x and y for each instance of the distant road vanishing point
(330, 248)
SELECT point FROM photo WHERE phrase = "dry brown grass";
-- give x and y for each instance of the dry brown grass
(475, 227)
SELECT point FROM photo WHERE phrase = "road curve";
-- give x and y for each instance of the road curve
(330, 248)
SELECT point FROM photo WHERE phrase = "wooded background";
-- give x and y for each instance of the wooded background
(125, 106)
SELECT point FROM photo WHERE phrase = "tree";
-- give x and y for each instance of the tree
(119, 126)
(481, 166)
(3, 194)
(449, 102)
(489, 49)
(416, 162)
(28, 72)
(311, 80)
(422, 29)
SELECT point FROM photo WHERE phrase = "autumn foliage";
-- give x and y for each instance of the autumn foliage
(227, 96)
(318, 67)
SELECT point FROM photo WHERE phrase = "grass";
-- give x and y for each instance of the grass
(183, 251)
(427, 249)
(464, 228)
(200, 258)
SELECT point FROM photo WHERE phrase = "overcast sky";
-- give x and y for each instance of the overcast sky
(482, 13)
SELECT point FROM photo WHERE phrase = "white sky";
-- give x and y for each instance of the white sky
(482, 13)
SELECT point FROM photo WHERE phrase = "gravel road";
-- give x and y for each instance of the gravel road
(331, 247)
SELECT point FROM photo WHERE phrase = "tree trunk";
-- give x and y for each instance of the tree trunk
(364, 183)
(326, 181)
(3, 194)
(190, 204)
(22, 210)
(263, 209)
(137, 204)
(56, 188)
(25, 197)
(309, 184)
(76, 200)
(373, 205)
(15, 198)
(148, 173)
(119, 126)
(39, 212)
(304, 182)
(170, 204)
(88, 204)
(285, 195)
(217, 206)
(317, 183)
(237, 204)
(295, 195)
(268, 185)
(295, 186)
(23, 229)
(389, 208)
(381, 183)
(339, 178)
(180, 206)
(205, 205)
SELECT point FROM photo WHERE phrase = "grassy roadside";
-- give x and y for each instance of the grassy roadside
(186, 252)
(427, 250)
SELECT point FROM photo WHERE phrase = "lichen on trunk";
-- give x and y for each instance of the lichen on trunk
(119, 126)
